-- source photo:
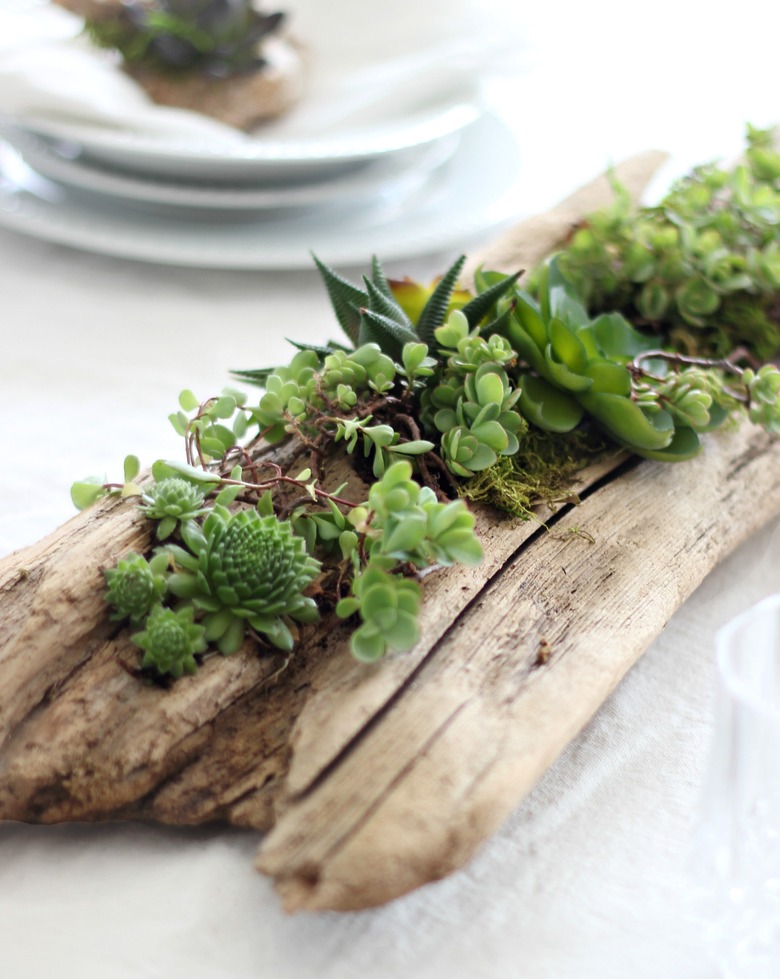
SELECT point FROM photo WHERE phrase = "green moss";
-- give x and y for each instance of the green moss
(541, 471)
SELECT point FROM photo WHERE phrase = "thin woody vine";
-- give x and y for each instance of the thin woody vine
(647, 330)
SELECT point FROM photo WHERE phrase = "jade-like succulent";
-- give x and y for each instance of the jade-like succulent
(404, 521)
(764, 396)
(245, 570)
(172, 500)
(389, 606)
(135, 585)
(170, 641)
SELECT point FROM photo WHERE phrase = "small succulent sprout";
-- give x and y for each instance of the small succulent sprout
(389, 606)
(455, 330)
(170, 641)
(135, 585)
(245, 570)
(170, 501)
(764, 396)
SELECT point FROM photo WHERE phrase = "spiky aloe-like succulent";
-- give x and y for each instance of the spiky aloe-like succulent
(245, 570)
(135, 585)
(215, 37)
(170, 641)
(172, 500)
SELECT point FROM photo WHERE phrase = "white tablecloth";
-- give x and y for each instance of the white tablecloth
(587, 879)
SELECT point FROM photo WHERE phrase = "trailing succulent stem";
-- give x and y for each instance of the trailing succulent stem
(440, 395)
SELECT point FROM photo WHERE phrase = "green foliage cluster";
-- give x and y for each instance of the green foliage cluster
(212, 37)
(702, 267)
(438, 394)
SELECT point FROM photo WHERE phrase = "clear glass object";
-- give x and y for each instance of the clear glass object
(736, 846)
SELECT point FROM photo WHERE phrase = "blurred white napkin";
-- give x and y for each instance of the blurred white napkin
(369, 62)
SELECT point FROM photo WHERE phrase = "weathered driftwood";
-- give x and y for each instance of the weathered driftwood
(371, 781)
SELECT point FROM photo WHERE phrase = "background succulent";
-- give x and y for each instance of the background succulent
(216, 37)
(701, 267)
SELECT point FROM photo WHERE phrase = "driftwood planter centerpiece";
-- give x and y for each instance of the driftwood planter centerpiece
(369, 780)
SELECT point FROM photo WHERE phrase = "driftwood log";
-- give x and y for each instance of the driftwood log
(368, 781)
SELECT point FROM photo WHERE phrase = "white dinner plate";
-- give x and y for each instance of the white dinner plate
(269, 160)
(477, 190)
(400, 173)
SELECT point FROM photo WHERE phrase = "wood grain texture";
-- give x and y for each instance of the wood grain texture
(370, 781)
(515, 677)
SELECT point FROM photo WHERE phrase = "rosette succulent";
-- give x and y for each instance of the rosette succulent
(172, 500)
(243, 570)
(135, 585)
(170, 641)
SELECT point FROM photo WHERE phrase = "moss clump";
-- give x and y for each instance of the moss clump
(541, 471)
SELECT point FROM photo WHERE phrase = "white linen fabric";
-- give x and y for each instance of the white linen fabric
(587, 879)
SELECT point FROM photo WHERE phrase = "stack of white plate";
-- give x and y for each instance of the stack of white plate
(427, 182)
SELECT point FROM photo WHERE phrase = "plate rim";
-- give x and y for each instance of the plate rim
(36, 217)
(97, 180)
(102, 143)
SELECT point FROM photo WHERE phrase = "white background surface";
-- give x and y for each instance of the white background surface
(587, 878)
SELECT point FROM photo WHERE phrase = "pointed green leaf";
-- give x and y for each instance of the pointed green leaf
(378, 302)
(378, 277)
(257, 377)
(627, 423)
(389, 335)
(345, 299)
(435, 310)
(478, 307)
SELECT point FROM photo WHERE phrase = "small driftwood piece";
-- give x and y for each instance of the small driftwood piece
(369, 781)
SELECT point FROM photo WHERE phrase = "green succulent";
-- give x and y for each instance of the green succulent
(389, 606)
(764, 396)
(135, 585)
(171, 641)
(703, 266)
(582, 365)
(377, 315)
(170, 501)
(404, 521)
(245, 570)
(480, 423)
(214, 37)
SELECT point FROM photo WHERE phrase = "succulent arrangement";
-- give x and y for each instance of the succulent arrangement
(214, 37)
(348, 475)
(702, 268)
